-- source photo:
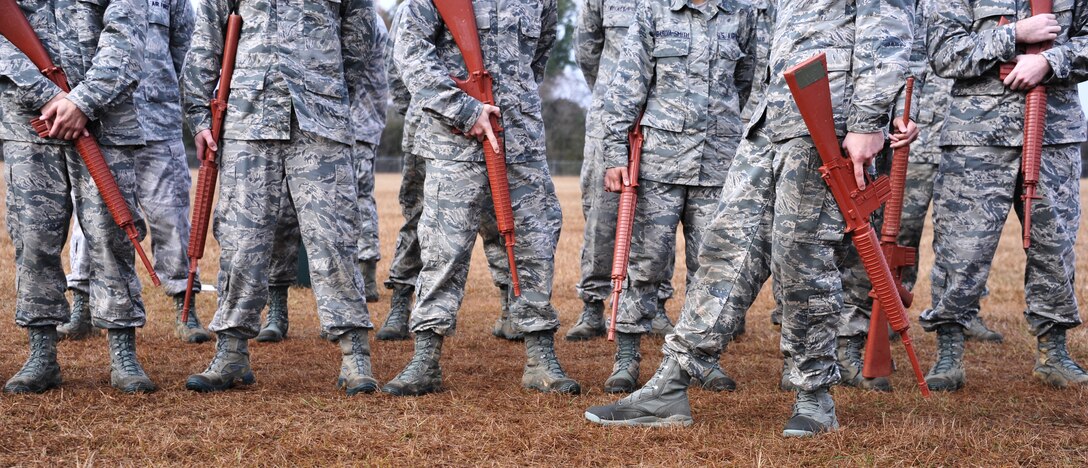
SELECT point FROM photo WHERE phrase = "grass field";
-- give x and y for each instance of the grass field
(295, 416)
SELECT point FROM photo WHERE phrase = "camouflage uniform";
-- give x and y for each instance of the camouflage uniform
(602, 27)
(368, 112)
(978, 179)
(162, 170)
(691, 69)
(516, 37)
(774, 181)
(288, 126)
(100, 45)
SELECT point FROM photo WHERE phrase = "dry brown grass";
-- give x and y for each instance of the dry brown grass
(294, 416)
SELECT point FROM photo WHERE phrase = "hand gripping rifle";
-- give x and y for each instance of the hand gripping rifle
(460, 19)
(1034, 124)
(811, 90)
(17, 30)
(625, 220)
(209, 169)
(878, 350)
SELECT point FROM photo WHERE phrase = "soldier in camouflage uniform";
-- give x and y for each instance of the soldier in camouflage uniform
(406, 264)
(979, 176)
(100, 46)
(690, 67)
(775, 180)
(162, 173)
(516, 37)
(288, 121)
(602, 27)
(368, 115)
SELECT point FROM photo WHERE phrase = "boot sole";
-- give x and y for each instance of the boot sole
(566, 389)
(1053, 379)
(195, 338)
(270, 339)
(23, 389)
(391, 336)
(202, 386)
(945, 388)
(570, 337)
(404, 392)
(132, 389)
(369, 387)
(645, 421)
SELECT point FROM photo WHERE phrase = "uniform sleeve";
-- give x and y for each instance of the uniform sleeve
(202, 64)
(32, 89)
(746, 67)
(373, 94)
(401, 97)
(589, 40)
(427, 79)
(116, 65)
(549, 25)
(182, 23)
(881, 55)
(957, 52)
(1069, 61)
(919, 62)
(358, 45)
(626, 95)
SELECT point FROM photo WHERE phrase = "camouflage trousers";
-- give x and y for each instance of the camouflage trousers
(599, 208)
(45, 184)
(660, 209)
(316, 175)
(919, 192)
(407, 261)
(369, 250)
(162, 193)
(456, 206)
(976, 187)
(283, 269)
(775, 184)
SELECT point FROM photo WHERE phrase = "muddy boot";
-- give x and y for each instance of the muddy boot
(189, 331)
(126, 374)
(849, 353)
(504, 326)
(978, 331)
(624, 378)
(230, 365)
(276, 324)
(79, 323)
(590, 324)
(1053, 365)
(41, 371)
(355, 374)
(542, 370)
(813, 413)
(718, 381)
(423, 374)
(369, 269)
(395, 327)
(661, 325)
(784, 383)
(947, 374)
(662, 402)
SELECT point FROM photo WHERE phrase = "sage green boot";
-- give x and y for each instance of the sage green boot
(978, 331)
(395, 327)
(369, 269)
(41, 371)
(661, 325)
(590, 324)
(813, 414)
(624, 378)
(79, 323)
(229, 367)
(126, 374)
(190, 330)
(542, 370)
(948, 374)
(718, 381)
(276, 324)
(355, 373)
(1054, 365)
(849, 353)
(423, 374)
(504, 326)
(662, 402)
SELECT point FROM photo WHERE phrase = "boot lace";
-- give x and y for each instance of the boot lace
(1056, 350)
(123, 349)
(547, 356)
(947, 348)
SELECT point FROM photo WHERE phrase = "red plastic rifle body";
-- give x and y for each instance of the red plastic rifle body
(460, 19)
(878, 350)
(209, 169)
(625, 220)
(1034, 125)
(17, 30)
(811, 90)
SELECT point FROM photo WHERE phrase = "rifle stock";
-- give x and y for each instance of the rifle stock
(811, 89)
(460, 19)
(625, 220)
(17, 30)
(209, 169)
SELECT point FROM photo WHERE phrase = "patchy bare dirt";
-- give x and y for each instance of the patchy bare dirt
(295, 416)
